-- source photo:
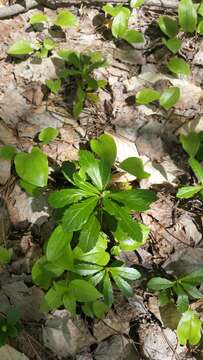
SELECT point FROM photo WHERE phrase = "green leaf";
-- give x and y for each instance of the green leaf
(123, 285)
(70, 303)
(88, 188)
(107, 290)
(65, 19)
(187, 192)
(195, 278)
(125, 272)
(53, 85)
(182, 303)
(133, 36)
(200, 28)
(199, 8)
(164, 298)
(79, 102)
(7, 152)
(99, 309)
(91, 166)
(78, 214)
(5, 255)
(65, 261)
(197, 168)
(43, 277)
(96, 256)
(169, 97)
(136, 3)
(187, 15)
(52, 300)
(120, 23)
(49, 44)
(105, 147)
(174, 44)
(158, 283)
(134, 166)
(179, 66)
(146, 96)
(13, 316)
(168, 26)
(138, 199)
(33, 167)
(190, 143)
(87, 269)
(97, 278)
(38, 18)
(192, 291)
(61, 198)
(129, 226)
(29, 188)
(48, 134)
(57, 242)
(189, 328)
(110, 10)
(83, 291)
(89, 234)
(21, 47)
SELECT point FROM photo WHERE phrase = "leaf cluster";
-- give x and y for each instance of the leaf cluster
(79, 266)
(183, 290)
(9, 325)
(167, 99)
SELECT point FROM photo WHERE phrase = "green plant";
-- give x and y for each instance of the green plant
(40, 50)
(5, 255)
(191, 144)
(119, 25)
(167, 99)
(9, 325)
(79, 69)
(94, 223)
(183, 290)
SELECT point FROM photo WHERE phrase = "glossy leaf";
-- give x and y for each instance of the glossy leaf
(158, 283)
(187, 15)
(43, 277)
(146, 96)
(111, 10)
(107, 290)
(168, 26)
(54, 85)
(133, 37)
(5, 255)
(129, 226)
(182, 303)
(7, 152)
(197, 168)
(49, 44)
(120, 23)
(38, 18)
(87, 269)
(65, 261)
(89, 234)
(200, 28)
(173, 44)
(61, 198)
(136, 3)
(179, 66)
(134, 166)
(123, 285)
(105, 147)
(125, 272)
(21, 47)
(99, 309)
(83, 291)
(170, 97)
(192, 291)
(70, 303)
(190, 143)
(32, 167)
(78, 214)
(186, 192)
(189, 328)
(195, 278)
(51, 301)
(138, 199)
(91, 167)
(65, 19)
(57, 242)
(48, 134)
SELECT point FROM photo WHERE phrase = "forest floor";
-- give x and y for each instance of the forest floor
(134, 329)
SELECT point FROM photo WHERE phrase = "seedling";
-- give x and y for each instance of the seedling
(167, 99)
(183, 290)
(119, 25)
(79, 69)
(9, 325)
(5, 255)
(39, 50)
(191, 144)
(92, 219)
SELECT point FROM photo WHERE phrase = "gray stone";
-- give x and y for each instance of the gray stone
(184, 261)
(198, 59)
(65, 336)
(116, 348)
(9, 353)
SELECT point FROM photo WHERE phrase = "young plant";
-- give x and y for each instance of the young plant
(184, 290)
(5, 255)
(191, 144)
(9, 325)
(40, 50)
(119, 25)
(79, 266)
(167, 99)
(79, 69)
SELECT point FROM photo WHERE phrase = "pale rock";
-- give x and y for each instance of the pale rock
(110, 325)
(184, 261)
(9, 353)
(198, 59)
(116, 347)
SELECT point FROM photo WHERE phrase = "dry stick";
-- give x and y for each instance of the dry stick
(9, 11)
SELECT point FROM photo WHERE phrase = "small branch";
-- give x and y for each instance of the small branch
(9, 11)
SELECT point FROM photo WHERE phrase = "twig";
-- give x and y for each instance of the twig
(9, 11)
